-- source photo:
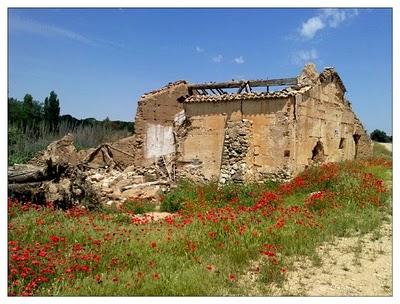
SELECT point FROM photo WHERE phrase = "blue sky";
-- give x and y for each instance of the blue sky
(100, 61)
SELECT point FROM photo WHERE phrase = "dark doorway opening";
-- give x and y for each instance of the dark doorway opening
(356, 138)
(318, 152)
(341, 144)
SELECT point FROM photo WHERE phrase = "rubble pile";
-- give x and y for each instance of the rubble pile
(66, 177)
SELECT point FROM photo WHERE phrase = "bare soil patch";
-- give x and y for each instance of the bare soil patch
(388, 146)
(348, 266)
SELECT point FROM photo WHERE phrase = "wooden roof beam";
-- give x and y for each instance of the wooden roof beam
(239, 84)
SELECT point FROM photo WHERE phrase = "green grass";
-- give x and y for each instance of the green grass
(209, 246)
(379, 150)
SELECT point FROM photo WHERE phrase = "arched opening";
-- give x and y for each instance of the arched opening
(318, 152)
(356, 138)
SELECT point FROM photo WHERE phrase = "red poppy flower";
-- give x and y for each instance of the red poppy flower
(98, 278)
(212, 234)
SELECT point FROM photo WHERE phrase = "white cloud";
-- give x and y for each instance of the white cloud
(218, 58)
(31, 26)
(328, 17)
(311, 27)
(239, 60)
(334, 17)
(199, 49)
(304, 56)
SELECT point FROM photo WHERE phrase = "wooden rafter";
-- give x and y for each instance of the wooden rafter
(239, 84)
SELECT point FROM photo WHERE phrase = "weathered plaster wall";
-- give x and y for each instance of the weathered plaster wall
(281, 136)
(155, 118)
(215, 138)
(271, 146)
(325, 118)
(249, 136)
(202, 145)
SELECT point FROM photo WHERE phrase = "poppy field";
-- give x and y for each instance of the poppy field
(205, 247)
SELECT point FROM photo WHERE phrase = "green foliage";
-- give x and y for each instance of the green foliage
(176, 199)
(138, 206)
(52, 110)
(380, 136)
(33, 125)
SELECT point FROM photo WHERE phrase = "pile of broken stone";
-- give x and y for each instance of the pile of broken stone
(62, 175)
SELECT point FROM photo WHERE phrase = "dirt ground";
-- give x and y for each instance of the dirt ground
(388, 146)
(351, 266)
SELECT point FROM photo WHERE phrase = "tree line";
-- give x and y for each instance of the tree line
(380, 136)
(32, 125)
(30, 114)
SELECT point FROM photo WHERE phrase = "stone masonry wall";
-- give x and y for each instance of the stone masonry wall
(236, 144)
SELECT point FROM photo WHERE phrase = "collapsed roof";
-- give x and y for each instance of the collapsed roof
(215, 92)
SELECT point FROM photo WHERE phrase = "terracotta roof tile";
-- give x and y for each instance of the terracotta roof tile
(246, 96)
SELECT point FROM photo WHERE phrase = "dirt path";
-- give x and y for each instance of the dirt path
(388, 146)
(354, 266)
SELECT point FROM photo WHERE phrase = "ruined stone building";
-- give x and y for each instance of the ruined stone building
(202, 132)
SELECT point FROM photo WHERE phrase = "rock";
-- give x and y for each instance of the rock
(59, 153)
(137, 179)
(97, 177)
(77, 191)
(107, 190)
(224, 175)
(116, 195)
(58, 191)
(148, 192)
(129, 169)
(149, 177)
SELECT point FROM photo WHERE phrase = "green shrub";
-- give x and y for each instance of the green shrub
(138, 206)
(175, 200)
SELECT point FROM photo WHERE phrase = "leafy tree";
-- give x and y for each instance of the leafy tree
(52, 111)
(380, 136)
(27, 110)
(14, 111)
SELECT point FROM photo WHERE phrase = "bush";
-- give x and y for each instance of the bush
(138, 206)
(175, 200)
(380, 136)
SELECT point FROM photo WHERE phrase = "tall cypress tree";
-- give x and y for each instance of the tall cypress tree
(52, 111)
